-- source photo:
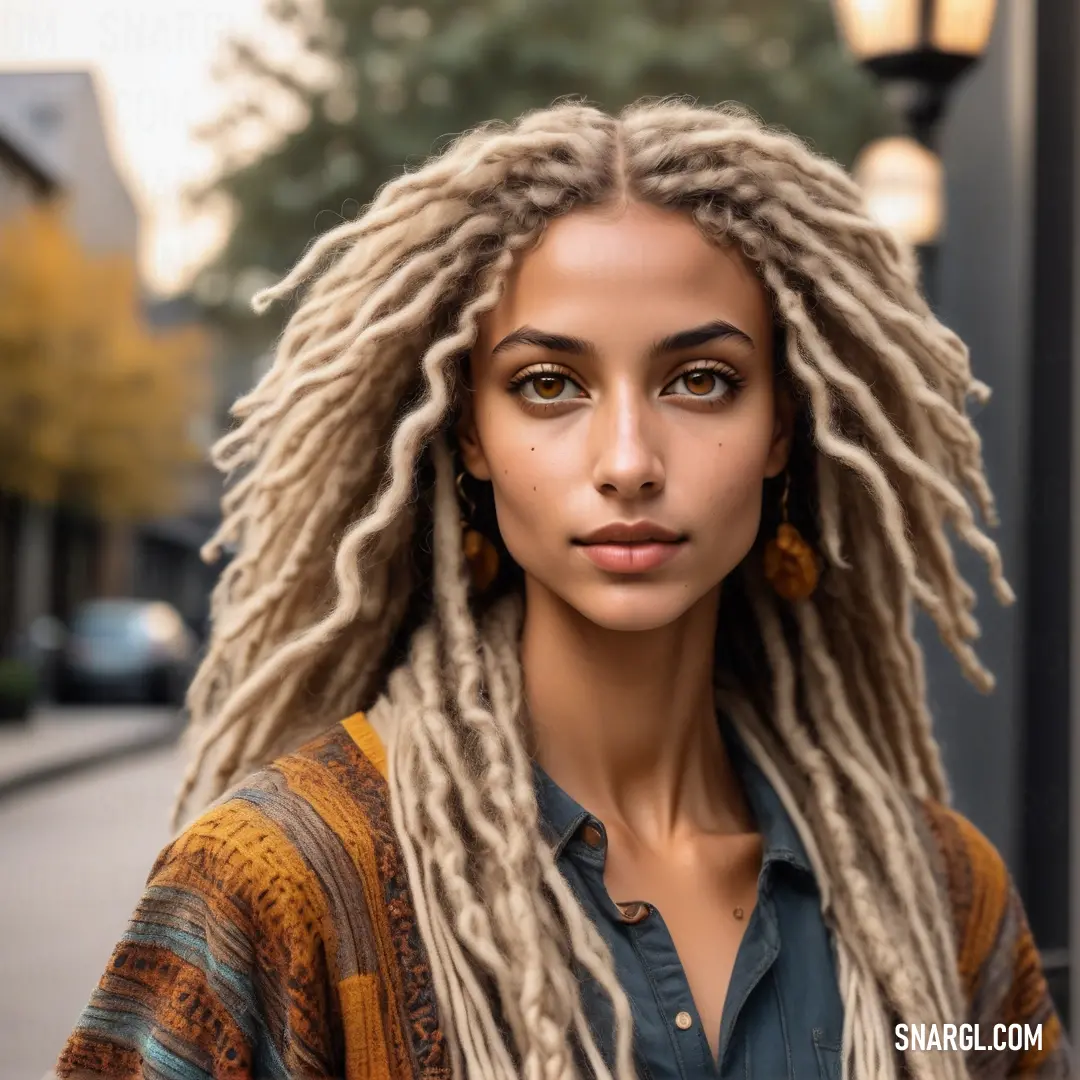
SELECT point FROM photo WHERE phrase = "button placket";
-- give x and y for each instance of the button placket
(654, 945)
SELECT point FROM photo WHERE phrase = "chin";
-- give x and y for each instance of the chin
(633, 608)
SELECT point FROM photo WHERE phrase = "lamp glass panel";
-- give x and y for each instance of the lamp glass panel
(904, 186)
(879, 27)
(962, 26)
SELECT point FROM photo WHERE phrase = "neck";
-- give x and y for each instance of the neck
(625, 721)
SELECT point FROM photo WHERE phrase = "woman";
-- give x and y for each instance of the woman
(601, 467)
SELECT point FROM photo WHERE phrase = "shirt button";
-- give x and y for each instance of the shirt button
(683, 1021)
(592, 835)
(634, 912)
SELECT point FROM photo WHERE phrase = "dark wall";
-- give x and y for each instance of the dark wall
(9, 551)
(1045, 704)
(1008, 279)
(984, 275)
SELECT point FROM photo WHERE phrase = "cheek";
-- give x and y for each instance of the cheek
(734, 497)
(530, 470)
(723, 486)
(531, 484)
(524, 451)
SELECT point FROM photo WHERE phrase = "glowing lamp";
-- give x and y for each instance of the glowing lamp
(903, 183)
(914, 33)
(918, 46)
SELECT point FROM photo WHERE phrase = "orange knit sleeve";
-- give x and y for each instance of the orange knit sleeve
(1000, 969)
(221, 972)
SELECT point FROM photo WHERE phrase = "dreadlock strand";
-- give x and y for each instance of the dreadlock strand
(846, 741)
(889, 669)
(403, 451)
(394, 713)
(510, 844)
(862, 462)
(859, 393)
(889, 918)
(952, 620)
(829, 501)
(376, 321)
(844, 849)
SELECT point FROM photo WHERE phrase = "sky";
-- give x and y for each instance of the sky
(152, 60)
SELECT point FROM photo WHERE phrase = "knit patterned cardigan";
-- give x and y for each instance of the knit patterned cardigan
(277, 939)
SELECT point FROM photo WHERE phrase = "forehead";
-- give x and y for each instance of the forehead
(634, 265)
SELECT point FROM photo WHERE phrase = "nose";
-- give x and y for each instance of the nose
(627, 459)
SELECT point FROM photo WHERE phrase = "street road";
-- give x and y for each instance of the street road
(74, 856)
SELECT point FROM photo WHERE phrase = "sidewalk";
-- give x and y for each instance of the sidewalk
(58, 741)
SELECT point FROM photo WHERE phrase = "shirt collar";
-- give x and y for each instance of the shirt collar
(781, 840)
(561, 815)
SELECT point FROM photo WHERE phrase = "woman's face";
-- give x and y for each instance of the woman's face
(624, 382)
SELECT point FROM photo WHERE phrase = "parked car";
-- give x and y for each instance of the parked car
(126, 650)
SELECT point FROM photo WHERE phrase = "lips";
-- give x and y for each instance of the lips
(631, 547)
(638, 532)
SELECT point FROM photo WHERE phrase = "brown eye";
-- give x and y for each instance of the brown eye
(699, 382)
(546, 388)
(705, 384)
(549, 387)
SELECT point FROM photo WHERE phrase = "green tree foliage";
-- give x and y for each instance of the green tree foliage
(353, 90)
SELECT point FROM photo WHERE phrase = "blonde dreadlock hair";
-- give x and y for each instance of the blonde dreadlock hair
(343, 508)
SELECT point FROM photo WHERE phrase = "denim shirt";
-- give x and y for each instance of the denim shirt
(783, 1016)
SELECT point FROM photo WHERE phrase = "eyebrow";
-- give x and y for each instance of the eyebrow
(717, 330)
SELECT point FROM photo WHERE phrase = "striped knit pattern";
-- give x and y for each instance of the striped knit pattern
(999, 965)
(277, 940)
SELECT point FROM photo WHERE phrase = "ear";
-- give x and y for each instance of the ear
(783, 431)
(472, 450)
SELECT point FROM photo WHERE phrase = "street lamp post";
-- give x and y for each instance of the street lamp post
(917, 49)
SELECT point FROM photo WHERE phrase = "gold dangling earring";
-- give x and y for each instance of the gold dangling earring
(480, 553)
(791, 566)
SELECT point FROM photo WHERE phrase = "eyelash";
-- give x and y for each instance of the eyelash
(734, 380)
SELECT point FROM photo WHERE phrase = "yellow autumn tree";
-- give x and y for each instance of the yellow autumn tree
(96, 406)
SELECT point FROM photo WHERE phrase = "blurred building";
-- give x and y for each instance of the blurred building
(25, 178)
(56, 118)
(167, 563)
(54, 143)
